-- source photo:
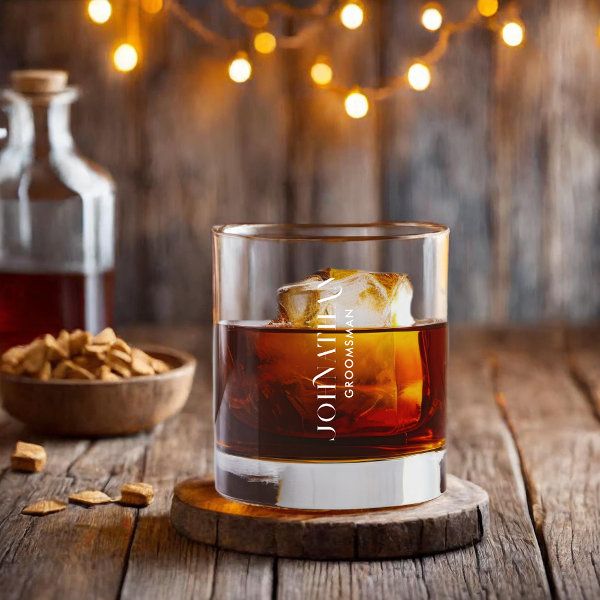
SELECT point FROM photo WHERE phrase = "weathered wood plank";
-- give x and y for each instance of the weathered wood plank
(333, 159)
(507, 564)
(435, 149)
(55, 552)
(214, 152)
(161, 562)
(558, 437)
(518, 176)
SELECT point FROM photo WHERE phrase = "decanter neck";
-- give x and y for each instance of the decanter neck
(39, 125)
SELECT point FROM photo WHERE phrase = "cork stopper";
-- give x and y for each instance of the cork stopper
(39, 81)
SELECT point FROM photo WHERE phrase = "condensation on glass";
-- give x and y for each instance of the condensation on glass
(330, 349)
(57, 222)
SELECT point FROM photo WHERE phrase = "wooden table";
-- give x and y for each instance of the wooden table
(523, 423)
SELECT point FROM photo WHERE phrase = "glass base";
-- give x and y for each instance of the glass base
(332, 485)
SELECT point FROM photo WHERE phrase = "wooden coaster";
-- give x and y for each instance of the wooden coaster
(457, 518)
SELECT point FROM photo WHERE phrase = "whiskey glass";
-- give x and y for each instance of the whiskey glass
(329, 364)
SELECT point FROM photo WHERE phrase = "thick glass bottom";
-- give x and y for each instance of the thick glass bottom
(332, 485)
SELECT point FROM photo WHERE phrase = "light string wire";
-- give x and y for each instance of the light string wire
(256, 19)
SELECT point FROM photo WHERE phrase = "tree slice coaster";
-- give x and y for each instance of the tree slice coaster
(457, 518)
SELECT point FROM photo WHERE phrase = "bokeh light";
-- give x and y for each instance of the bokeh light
(487, 8)
(153, 6)
(125, 58)
(513, 34)
(356, 105)
(265, 42)
(99, 11)
(321, 72)
(352, 15)
(431, 17)
(419, 76)
(256, 17)
(240, 68)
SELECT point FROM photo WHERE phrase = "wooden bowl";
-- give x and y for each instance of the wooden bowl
(101, 408)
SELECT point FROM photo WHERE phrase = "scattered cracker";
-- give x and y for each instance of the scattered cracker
(76, 372)
(118, 366)
(136, 494)
(96, 349)
(122, 345)
(120, 355)
(141, 362)
(90, 498)
(45, 372)
(54, 349)
(35, 356)
(28, 457)
(106, 336)
(78, 340)
(90, 362)
(80, 355)
(6, 368)
(44, 507)
(105, 374)
(61, 369)
(13, 356)
(64, 343)
(159, 366)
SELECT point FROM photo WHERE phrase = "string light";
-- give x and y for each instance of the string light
(256, 17)
(419, 76)
(125, 58)
(99, 11)
(321, 73)
(240, 68)
(513, 34)
(431, 17)
(152, 6)
(487, 8)
(356, 105)
(265, 42)
(352, 15)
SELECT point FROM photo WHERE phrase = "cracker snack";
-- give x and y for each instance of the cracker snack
(30, 458)
(80, 355)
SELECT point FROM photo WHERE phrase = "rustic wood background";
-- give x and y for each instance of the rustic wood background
(503, 148)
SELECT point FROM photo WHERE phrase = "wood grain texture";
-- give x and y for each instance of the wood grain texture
(457, 518)
(506, 564)
(557, 433)
(161, 562)
(545, 429)
(502, 147)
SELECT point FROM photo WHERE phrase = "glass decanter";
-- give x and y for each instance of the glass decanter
(57, 217)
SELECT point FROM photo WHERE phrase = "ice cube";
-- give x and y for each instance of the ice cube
(337, 296)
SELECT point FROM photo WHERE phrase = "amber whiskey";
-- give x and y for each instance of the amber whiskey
(287, 394)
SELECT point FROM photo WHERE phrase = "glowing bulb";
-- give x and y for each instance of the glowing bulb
(240, 68)
(256, 17)
(352, 15)
(125, 58)
(99, 11)
(321, 73)
(265, 42)
(356, 105)
(513, 34)
(487, 8)
(431, 17)
(152, 6)
(419, 76)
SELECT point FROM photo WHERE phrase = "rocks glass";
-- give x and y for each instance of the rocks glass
(330, 346)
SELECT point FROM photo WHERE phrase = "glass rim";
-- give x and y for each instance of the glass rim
(277, 231)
